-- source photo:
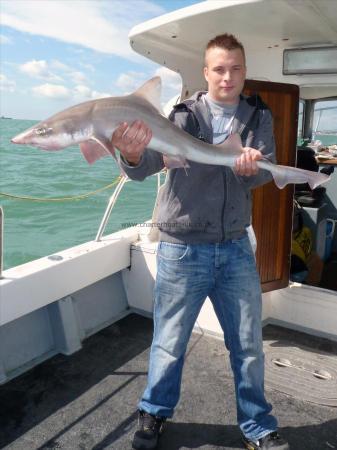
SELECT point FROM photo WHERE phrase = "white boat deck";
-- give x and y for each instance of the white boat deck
(88, 400)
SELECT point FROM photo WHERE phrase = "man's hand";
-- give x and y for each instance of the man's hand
(246, 163)
(132, 140)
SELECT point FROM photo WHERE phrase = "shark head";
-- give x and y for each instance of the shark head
(45, 135)
(52, 134)
(88, 121)
(39, 136)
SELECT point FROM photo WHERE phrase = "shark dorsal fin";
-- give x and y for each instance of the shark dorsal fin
(232, 144)
(151, 91)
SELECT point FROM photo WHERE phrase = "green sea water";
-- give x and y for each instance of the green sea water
(34, 229)
(327, 139)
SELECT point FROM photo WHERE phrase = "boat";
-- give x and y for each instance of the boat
(75, 327)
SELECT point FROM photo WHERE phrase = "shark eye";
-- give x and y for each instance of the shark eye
(43, 131)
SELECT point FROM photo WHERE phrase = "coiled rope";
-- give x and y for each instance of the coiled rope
(60, 199)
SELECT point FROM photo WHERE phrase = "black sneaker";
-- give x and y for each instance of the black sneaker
(149, 429)
(269, 442)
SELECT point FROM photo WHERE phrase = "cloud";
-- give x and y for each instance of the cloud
(78, 94)
(171, 82)
(99, 25)
(58, 65)
(77, 77)
(74, 75)
(88, 66)
(46, 71)
(39, 69)
(96, 94)
(5, 39)
(6, 84)
(84, 92)
(130, 81)
(55, 91)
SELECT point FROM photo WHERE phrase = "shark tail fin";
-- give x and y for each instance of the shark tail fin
(284, 175)
(315, 179)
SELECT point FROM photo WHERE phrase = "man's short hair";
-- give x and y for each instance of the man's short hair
(227, 42)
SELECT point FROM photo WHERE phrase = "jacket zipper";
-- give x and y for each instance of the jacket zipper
(225, 203)
(223, 206)
(223, 231)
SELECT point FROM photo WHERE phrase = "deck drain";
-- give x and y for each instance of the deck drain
(322, 374)
(282, 362)
(55, 257)
(304, 373)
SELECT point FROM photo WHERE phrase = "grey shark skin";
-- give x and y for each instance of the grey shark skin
(92, 123)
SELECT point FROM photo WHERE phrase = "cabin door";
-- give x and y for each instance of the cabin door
(272, 207)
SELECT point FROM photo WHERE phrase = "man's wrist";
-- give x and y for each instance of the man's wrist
(132, 162)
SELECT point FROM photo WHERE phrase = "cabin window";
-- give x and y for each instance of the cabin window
(300, 122)
(310, 60)
(325, 121)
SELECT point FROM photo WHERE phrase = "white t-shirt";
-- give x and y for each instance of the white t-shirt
(222, 118)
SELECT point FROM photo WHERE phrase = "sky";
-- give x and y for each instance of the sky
(56, 53)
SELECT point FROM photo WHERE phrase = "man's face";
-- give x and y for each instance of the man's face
(225, 73)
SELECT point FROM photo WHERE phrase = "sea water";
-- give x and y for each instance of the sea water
(36, 229)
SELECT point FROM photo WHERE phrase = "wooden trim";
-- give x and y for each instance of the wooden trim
(273, 208)
(270, 86)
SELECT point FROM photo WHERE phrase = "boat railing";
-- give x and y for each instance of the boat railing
(1, 239)
(112, 201)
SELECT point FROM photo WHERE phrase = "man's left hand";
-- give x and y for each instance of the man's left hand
(246, 163)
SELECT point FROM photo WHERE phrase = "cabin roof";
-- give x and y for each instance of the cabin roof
(265, 27)
(88, 400)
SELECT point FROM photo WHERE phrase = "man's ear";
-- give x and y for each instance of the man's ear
(206, 73)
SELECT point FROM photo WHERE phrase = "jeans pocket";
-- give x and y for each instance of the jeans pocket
(172, 252)
(244, 244)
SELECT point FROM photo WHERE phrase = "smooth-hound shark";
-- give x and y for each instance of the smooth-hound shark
(92, 123)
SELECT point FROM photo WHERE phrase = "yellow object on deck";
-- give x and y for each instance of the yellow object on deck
(302, 244)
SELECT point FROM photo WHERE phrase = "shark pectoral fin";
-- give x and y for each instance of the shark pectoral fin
(105, 143)
(175, 162)
(151, 91)
(92, 151)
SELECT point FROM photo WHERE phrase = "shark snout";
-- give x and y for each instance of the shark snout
(24, 138)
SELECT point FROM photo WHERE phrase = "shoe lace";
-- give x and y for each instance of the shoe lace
(149, 422)
(274, 436)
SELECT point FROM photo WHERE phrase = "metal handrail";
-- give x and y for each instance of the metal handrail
(112, 202)
(1, 239)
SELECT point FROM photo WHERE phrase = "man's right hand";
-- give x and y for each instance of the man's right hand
(132, 140)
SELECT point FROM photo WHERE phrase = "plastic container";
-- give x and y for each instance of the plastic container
(325, 235)
(330, 230)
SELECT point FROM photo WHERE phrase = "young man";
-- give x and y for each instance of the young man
(204, 249)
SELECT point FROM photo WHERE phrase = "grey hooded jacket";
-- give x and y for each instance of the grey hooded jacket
(208, 203)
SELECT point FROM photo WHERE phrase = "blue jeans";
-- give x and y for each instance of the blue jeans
(186, 275)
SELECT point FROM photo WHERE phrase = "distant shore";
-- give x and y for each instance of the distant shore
(327, 132)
